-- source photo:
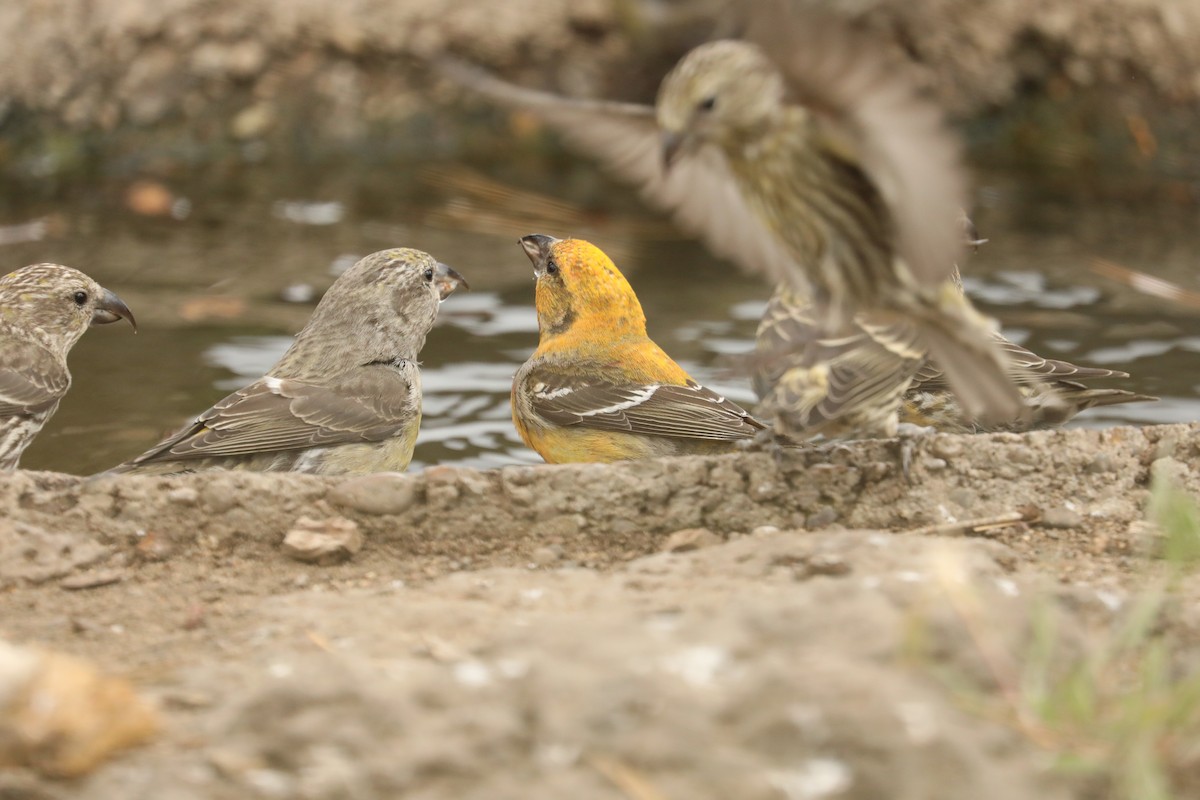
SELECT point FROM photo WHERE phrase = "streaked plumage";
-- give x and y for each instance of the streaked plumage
(802, 399)
(44, 310)
(598, 388)
(806, 154)
(346, 396)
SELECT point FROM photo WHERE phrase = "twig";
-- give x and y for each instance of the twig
(624, 777)
(970, 525)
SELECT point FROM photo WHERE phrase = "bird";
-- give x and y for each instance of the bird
(849, 384)
(598, 389)
(804, 152)
(804, 402)
(345, 398)
(44, 311)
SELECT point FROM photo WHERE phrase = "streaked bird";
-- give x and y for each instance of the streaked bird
(598, 388)
(805, 401)
(805, 153)
(346, 396)
(44, 310)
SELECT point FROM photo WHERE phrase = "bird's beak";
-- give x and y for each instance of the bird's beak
(111, 308)
(672, 146)
(447, 280)
(538, 247)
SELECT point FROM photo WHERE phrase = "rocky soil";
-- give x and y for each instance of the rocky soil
(1062, 84)
(816, 625)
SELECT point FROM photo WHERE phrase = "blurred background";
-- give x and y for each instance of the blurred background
(218, 162)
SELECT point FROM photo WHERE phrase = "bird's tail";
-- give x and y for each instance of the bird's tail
(959, 340)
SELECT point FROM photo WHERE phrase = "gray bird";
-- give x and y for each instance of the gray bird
(807, 154)
(346, 396)
(44, 310)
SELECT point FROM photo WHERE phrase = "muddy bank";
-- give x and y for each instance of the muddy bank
(159, 84)
(550, 632)
(1085, 486)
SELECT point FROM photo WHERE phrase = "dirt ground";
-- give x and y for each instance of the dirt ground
(749, 626)
(155, 83)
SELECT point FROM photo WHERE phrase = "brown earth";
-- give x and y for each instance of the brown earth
(806, 626)
(1083, 84)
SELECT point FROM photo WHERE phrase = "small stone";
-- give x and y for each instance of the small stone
(323, 541)
(62, 716)
(689, 539)
(1022, 454)
(764, 530)
(92, 580)
(380, 493)
(183, 496)
(962, 497)
(153, 546)
(1061, 517)
(823, 518)
(826, 564)
(934, 464)
(545, 556)
(946, 447)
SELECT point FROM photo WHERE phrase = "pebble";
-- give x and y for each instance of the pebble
(183, 496)
(92, 580)
(380, 493)
(545, 556)
(821, 519)
(323, 541)
(946, 447)
(1061, 517)
(689, 539)
(826, 564)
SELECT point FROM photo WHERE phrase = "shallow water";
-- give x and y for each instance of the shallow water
(207, 286)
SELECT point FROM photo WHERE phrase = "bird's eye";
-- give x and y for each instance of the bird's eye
(708, 103)
(80, 298)
(429, 274)
(551, 267)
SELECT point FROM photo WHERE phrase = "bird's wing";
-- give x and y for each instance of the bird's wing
(690, 411)
(274, 414)
(859, 374)
(699, 191)
(871, 106)
(1026, 367)
(31, 379)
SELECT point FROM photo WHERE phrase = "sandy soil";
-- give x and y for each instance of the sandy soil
(744, 626)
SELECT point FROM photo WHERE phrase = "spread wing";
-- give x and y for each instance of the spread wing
(31, 379)
(699, 191)
(274, 414)
(871, 105)
(690, 411)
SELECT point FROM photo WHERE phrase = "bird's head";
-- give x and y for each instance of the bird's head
(381, 309)
(725, 93)
(578, 285)
(60, 302)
